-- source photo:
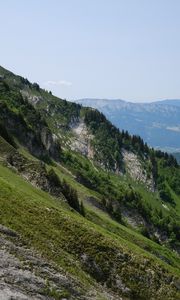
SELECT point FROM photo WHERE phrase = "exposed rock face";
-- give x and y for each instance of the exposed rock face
(136, 171)
(133, 218)
(81, 142)
(33, 99)
(82, 139)
(35, 173)
(40, 142)
(24, 275)
(50, 143)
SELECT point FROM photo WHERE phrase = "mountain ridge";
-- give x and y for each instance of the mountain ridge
(156, 122)
(91, 199)
(168, 101)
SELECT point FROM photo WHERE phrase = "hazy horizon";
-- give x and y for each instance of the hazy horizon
(95, 49)
(126, 100)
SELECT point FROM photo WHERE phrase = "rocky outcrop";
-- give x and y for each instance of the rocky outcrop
(33, 99)
(39, 141)
(24, 275)
(132, 217)
(136, 170)
(34, 172)
(81, 142)
(50, 143)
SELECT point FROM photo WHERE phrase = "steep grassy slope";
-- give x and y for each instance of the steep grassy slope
(103, 203)
(45, 122)
(79, 246)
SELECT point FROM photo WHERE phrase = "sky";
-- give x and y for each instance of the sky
(125, 49)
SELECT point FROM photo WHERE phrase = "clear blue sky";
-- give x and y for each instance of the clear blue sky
(128, 49)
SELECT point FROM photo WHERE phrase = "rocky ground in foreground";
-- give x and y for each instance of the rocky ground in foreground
(25, 275)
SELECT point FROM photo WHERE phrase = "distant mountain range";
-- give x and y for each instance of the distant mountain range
(86, 211)
(158, 123)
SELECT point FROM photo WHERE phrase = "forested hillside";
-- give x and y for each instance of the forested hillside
(156, 122)
(95, 202)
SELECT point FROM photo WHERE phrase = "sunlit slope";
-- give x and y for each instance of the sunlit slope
(77, 245)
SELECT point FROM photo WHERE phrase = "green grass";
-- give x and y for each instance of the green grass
(102, 219)
(97, 216)
(64, 236)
